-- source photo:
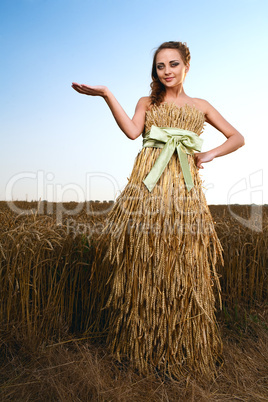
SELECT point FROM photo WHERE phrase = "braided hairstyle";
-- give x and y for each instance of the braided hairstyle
(158, 90)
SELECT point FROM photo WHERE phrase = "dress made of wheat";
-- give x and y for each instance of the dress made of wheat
(153, 280)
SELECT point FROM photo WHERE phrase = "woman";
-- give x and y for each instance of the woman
(153, 275)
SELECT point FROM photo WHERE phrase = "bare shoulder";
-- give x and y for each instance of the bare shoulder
(144, 103)
(214, 118)
(140, 112)
(206, 107)
(202, 105)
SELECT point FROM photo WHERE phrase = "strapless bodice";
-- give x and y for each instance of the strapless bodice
(170, 115)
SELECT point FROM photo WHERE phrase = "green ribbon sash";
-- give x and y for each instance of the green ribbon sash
(171, 139)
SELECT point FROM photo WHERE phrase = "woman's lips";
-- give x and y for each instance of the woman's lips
(169, 79)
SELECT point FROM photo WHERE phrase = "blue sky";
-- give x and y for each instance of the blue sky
(59, 145)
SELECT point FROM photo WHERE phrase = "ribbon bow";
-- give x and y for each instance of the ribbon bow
(171, 139)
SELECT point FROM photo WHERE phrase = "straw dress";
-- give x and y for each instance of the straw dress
(153, 280)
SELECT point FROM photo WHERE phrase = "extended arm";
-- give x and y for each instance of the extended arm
(132, 128)
(234, 140)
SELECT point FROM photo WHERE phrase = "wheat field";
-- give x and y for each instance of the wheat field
(45, 261)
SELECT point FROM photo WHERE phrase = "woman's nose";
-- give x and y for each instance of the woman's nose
(167, 70)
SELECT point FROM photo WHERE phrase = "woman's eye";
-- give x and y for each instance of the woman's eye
(172, 65)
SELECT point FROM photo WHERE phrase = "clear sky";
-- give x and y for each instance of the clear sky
(59, 145)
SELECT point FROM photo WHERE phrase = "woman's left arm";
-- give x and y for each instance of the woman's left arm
(234, 140)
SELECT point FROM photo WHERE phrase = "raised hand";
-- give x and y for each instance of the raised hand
(133, 128)
(96, 90)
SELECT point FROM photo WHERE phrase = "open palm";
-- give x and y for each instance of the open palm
(96, 90)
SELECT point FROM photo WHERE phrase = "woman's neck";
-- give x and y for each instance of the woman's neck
(175, 94)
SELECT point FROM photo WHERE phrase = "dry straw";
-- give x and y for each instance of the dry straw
(44, 275)
(45, 271)
(153, 292)
(53, 282)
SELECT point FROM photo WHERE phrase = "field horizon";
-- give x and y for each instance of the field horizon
(46, 354)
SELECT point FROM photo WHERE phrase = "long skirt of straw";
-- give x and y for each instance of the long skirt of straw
(152, 282)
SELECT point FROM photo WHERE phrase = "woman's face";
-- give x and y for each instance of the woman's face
(170, 67)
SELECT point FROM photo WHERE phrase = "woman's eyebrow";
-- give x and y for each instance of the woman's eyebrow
(171, 61)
